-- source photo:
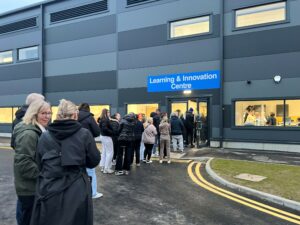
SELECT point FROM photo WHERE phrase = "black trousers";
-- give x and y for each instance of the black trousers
(148, 151)
(190, 136)
(136, 150)
(123, 161)
(27, 206)
(116, 147)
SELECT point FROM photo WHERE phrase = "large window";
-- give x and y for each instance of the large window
(6, 115)
(146, 109)
(268, 113)
(6, 57)
(259, 15)
(29, 53)
(189, 27)
(97, 110)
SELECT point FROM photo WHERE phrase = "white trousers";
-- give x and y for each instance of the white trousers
(107, 152)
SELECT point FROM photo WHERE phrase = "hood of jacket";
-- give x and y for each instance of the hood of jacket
(83, 114)
(22, 127)
(62, 129)
(129, 118)
(21, 111)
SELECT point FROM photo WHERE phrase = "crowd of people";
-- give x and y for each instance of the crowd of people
(55, 160)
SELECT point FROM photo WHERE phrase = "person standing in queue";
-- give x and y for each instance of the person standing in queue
(64, 195)
(165, 132)
(138, 131)
(115, 123)
(107, 144)
(87, 120)
(149, 139)
(26, 170)
(126, 138)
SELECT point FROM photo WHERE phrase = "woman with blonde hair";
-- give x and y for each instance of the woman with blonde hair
(64, 193)
(165, 131)
(26, 170)
(149, 139)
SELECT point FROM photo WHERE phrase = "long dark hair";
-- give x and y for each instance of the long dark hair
(104, 114)
(84, 106)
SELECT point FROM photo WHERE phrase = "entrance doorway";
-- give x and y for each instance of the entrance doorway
(201, 116)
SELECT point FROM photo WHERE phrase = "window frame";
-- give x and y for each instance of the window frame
(210, 16)
(287, 17)
(12, 55)
(140, 3)
(31, 59)
(282, 128)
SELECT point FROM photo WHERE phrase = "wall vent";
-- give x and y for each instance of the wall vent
(79, 11)
(16, 26)
(134, 2)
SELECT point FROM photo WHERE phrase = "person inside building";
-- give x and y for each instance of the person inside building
(177, 129)
(165, 132)
(63, 194)
(126, 139)
(107, 143)
(189, 127)
(149, 139)
(271, 121)
(250, 117)
(26, 171)
(87, 120)
(18, 118)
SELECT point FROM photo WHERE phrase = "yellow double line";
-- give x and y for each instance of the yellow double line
(199, 180)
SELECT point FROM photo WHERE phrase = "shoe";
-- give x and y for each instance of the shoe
(119, 173)
(113, 162)
(126, 172)
(101, 168)
(138, 164)
(148, 161)
(109, 171)
(160, 161)
(97, 195)
(169, 161)
(144, 160)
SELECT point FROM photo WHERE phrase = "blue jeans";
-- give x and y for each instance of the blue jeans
(92, 173)
(156, 144)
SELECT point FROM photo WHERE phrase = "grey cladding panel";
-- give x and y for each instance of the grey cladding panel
(158, 35)
(17, 87)
(140, 95)
(79, 30)
(82, 82)
(262, 135)
(190, 52)
(263, 43)
(20, 71)
(262, 67)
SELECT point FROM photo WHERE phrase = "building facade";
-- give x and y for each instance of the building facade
(104, 51)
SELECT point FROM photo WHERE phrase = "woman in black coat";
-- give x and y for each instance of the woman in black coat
(63, 195)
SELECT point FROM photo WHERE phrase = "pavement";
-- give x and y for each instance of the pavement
(158, 194)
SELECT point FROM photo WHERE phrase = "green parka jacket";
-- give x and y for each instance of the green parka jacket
(25, 166)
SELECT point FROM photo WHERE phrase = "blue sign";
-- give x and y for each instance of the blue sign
(184, 81)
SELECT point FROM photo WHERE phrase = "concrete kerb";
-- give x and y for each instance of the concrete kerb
(272, 198)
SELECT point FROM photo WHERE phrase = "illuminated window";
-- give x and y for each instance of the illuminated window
(6, 115)
(189, 27)
(54, 110)
(6, 57)
(292, 113)
(259, 113)
(258, 15)
(142, 108)
(28, 53)
(97, 110)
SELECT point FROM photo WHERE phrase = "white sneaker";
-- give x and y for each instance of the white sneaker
(119, 173)
(109, 171)
(160, 161)
(97, 195)
(148, 161)
(169, 161)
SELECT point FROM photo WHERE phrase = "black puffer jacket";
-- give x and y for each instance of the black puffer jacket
(138, 130)
(19, 116)
(126, 129)
(156, 121)
(177, 127)
(105, 127)
(115, 127)
(86, 119)
(189, 120)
